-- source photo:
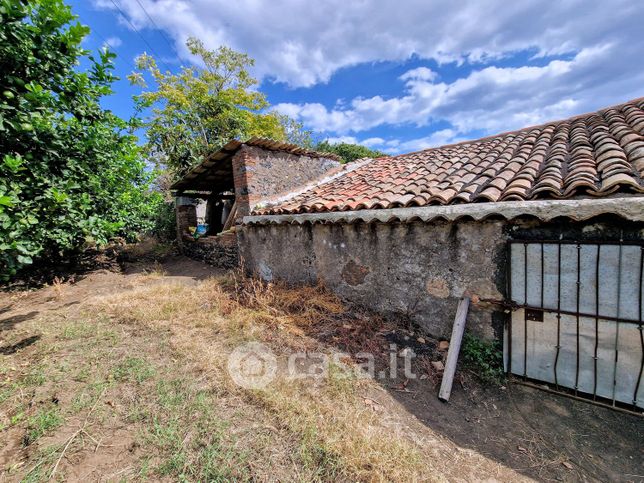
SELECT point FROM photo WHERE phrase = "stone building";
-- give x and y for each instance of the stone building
(234, 180)
(540, 227)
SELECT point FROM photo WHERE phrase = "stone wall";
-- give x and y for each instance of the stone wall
(220, 250)
(261, 174)
(186, 217)
(417, 271)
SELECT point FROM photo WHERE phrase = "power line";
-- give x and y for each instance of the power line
(167, 41)
(94, 30)
(140, 35)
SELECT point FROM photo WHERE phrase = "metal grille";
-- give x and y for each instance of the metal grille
(577, 317)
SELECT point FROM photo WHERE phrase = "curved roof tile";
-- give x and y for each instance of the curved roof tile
(595, 154)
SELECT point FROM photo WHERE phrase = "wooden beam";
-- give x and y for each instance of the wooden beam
(231, 217)
(454, 348)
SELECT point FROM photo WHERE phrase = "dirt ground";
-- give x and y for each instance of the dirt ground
(541, 435)
(93, 396)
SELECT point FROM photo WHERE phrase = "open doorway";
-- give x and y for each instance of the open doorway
(218, 212)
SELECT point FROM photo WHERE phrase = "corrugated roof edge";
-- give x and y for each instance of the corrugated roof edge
(232, 146)
(630, 208)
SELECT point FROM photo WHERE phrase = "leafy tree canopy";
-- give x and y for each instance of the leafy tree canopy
(203, 107)
(347, 151)
(70, 172)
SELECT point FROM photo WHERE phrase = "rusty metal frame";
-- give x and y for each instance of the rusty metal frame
(578, 314)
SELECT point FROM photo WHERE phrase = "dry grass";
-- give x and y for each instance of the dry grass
(340, 437)
(148, 395)
(106, 401)
(58, 286)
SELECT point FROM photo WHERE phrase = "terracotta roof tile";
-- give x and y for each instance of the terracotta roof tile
(595, 154)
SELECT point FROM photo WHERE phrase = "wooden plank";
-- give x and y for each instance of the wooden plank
(231, 217)
(454, 348)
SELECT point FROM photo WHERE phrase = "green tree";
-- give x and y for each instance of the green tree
(70, 172)
(347, 151)
(203, 107)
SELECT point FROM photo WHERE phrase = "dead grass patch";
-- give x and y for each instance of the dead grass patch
(143, 392)
(339, 436)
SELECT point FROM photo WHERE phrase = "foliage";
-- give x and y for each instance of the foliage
(42, 422)
(200, 109)
(348, 152)
(484, 358)
(164, 221)
(295, 132)
(70, 172)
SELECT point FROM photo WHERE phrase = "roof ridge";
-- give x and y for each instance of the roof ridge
(528, 164)
(325, 179)
(282, 146)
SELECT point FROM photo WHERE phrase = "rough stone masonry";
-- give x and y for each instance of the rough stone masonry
(416, 271)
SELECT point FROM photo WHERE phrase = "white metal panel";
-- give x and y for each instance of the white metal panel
(611, 271)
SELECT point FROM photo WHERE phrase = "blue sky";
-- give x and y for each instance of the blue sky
(397, 76)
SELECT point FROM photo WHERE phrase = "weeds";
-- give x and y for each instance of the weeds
(88, 397)
(341, 381)
(315, 455)
(43, 421)
(36, 376)
(483, 358)
(133, 369)
(344, 439)
(78, 330)
(18, 416)
(7, 392)
(156, 271)
(58, 285)
(191, 438)
(45, 459)
(160, 350)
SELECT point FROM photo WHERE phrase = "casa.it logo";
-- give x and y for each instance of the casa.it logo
(252, 366)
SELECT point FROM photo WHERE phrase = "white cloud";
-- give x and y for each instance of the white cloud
(113, 42)
(342, 139)
(438, 138)
(393, 146)
(372, 142)
(490, 99)
(419, 73)
(303, 44)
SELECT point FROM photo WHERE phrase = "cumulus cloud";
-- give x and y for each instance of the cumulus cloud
(437, 138)
(113, 42)
(584, 55)
(393, 146)
(342, 139)
(303, 44)
(372, 142)
(490, 99)
(419, 73)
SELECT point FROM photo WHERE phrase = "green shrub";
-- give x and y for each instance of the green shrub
(483, 358)
(348, 152)
(71, 172)
(164, 221)
(42, 422)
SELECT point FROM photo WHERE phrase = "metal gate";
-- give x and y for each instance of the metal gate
(577, 317)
